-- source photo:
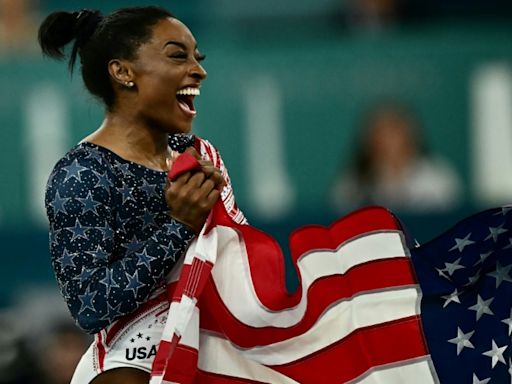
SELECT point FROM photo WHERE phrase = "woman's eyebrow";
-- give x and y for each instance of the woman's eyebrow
(177, 43)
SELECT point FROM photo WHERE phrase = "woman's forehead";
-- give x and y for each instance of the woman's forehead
(172, 29)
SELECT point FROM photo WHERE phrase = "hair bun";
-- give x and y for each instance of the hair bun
(86, 22)
(60, 28)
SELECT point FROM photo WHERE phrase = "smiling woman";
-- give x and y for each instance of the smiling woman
(118, 227)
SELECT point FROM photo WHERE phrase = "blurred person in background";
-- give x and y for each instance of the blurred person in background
(117, 226)
(373, 14)
(60, 353)
(18, 364)
(373, 17)
(391, 167)
(18, 26)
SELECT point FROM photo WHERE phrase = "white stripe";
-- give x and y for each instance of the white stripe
(418, 371)
(370, 247)
(218, 356)
(338, 322)
(182, 317)
(206, 246)
(190, 336)
(208, 152)
(158, 379)
(234, 283)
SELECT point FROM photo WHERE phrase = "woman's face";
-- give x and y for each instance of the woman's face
(167, 75)
(391, 138)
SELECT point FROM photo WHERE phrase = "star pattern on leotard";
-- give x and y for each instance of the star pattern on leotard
(89, 204)
(111, 239)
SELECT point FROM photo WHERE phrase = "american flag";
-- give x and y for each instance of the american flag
(466, 308)
(369, 308)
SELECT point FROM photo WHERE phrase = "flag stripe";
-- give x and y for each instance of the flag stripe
(335, 364)
(417, 371)
(204, 377)
(184, 361)
(341, 320)
(161, 357)
(370, 277)
(100, 349)
(223, 359)
(246, 299)
(374, 346)
(367, 220)
(376, 246)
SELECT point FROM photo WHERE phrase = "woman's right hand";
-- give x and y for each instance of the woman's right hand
(192, 195)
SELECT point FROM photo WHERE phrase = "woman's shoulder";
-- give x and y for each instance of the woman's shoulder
(83, 158)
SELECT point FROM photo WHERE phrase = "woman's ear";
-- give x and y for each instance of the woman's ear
(121, 73)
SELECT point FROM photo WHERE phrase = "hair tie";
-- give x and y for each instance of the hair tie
(86, 23)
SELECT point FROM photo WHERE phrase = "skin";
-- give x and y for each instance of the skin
(137, 127)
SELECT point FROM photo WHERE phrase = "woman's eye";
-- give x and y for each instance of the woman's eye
(200, 57)
(179, 55)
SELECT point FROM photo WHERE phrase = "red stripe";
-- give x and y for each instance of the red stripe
(363, 221)
(192, 279)
(159, 362)
(165, 350)
(100, 348)
(182, 365)
(361, 351)
(181, 284)
(376, 275)
(266, 263)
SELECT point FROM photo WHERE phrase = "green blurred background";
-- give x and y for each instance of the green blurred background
(288, 82)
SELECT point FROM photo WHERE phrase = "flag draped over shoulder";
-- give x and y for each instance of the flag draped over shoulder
(368, 309)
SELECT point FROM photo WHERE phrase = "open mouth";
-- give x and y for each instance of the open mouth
(185, 98)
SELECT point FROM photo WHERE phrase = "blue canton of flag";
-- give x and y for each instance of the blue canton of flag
(466, 308)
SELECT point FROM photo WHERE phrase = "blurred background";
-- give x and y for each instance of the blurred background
(317, 106)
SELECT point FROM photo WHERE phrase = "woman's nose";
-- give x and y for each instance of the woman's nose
(198, 72)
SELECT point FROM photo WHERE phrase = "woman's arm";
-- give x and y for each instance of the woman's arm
(96, 288)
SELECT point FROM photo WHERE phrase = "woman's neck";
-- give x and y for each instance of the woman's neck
(132, 140)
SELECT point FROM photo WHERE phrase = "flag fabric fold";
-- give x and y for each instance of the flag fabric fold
(368, 309)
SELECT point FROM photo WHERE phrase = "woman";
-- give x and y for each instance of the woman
(117, 227)
(391, 166)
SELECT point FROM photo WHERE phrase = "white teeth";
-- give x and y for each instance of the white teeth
(189, 91)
